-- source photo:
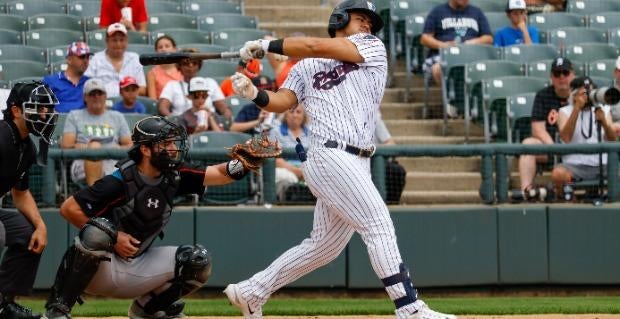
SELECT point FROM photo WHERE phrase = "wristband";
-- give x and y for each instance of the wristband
(275, 46)
(261, 99)
(235, 169)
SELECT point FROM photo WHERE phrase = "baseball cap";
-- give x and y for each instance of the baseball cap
(116, 27)
(251, 68)
(127, 81)
(263, 82)
(78, 49)
(560, 64)
(94, 84)
(516, 5)
(618, 63)
(581, 82)
(197, 84)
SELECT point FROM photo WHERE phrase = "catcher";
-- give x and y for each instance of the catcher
(122, 214)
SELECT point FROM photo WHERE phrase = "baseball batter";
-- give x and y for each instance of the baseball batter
(341, 82)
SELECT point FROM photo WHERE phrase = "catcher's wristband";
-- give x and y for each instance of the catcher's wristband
(235, 169)
(273, 46)
(261, 99)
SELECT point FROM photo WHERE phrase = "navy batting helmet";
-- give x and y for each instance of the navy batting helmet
(340, 16)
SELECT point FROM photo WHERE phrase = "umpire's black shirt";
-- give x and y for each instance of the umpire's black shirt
(16, 157)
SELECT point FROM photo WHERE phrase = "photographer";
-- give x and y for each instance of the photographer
(582, 121)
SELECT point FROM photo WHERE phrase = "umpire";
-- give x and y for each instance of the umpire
(30, 109)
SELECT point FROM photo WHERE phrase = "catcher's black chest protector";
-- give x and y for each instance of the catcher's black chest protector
(149, 207)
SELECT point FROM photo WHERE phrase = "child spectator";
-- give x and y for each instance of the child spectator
(129, 97)
(518, 32)
(159, 75)
(198, 118)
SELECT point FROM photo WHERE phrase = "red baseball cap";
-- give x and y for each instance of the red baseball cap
(127, 81)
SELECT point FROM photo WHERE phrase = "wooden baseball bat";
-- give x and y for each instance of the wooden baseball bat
(175, 57)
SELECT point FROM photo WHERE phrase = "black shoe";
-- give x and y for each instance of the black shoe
(58, 311)
(11, 310)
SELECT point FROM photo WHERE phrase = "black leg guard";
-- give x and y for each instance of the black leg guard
(192, 270)
(411, 294)
(79, 265)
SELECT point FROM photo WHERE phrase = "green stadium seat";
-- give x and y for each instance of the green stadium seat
(497, 20)
(13, 22)
(140, 48)
(564, 37)
(22, 52)
(149, 104)
(182, 36)
(414, 51)
(542, 69)
(519, 114)
(133, 118)
(218, 21)
(586, 52)
(27, 8)
(14, 69)
(601, 81)
(83, 8)
(489, 5)
(4, 84)
(526, 53)
(55, 21)
(46, 38)
(587, 7)
(495, 91)
(604, 20)
(217, 68)
(199, 8)
(155, 7)
(233, 38)
(11, 37)
(239, 192)
(614, 36)
(91, 23)
(602, 68)
(545, 22)
(58, 66)
(161, 21)
(236, 104)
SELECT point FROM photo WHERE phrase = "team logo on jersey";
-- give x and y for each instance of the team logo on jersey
(154, 203)
(327, 80)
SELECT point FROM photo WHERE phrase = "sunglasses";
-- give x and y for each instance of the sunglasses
(558, 73)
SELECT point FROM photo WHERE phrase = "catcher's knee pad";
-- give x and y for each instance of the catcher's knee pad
(191, 271)
(411, 294)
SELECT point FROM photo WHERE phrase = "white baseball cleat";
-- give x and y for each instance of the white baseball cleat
(424, 312)
(233, 293)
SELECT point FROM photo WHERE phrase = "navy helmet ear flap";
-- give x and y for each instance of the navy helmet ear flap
(337, 21)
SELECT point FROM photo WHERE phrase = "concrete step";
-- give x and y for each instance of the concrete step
(442, 181)
(430, 127)
(257, 3)
(294, 13)
(424, 139)
(440, 197)
(285, 29)
(400, 78)
(440, 164)
(396, 94)
(399, 111)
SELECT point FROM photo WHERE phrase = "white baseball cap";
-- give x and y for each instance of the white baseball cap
(516, 5)
(94, 84)
(618, 63)
(197, 84)
(116, 27)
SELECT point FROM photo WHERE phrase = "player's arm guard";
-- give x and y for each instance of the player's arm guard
(253, 152)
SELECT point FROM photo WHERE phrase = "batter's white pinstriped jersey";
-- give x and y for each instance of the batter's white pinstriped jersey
(343, 101)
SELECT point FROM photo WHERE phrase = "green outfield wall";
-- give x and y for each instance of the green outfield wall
(443, 247)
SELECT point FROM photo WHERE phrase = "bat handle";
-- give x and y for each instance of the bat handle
(230, 55)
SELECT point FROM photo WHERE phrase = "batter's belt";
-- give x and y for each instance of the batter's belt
(361, 152)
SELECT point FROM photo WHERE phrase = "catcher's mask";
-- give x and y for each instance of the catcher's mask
(167, 140)
(340, 16)
(38, 104)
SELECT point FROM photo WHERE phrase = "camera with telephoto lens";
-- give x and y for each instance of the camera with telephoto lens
(604, 96)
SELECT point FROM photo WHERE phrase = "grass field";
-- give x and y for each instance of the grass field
(364, 306)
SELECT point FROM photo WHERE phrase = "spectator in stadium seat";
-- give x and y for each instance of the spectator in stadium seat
(159, 75)
(615, 109)
(449, 24)
(129, 97)
(547, 102)
(578, 123)
(111, 12)
(251, 69)
(114, 63)
(538, 6)
(94, 127)
(281, 64)
(251, 119)
(68, 85)
(174, 98)
(518, 32)
(198, 118)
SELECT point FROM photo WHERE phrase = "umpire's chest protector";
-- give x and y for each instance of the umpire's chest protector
(149, 206)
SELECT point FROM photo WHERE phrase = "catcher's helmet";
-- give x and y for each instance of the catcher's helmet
(154, 130)
(38, 104)
(340, 16)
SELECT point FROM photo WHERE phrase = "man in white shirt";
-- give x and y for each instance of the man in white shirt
(115, 63)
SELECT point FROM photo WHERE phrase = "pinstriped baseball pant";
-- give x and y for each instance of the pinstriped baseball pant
(347, 202)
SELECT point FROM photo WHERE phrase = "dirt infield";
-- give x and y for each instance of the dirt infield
(548, 316)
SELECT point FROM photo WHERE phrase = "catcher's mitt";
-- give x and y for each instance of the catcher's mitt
(252, 153)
